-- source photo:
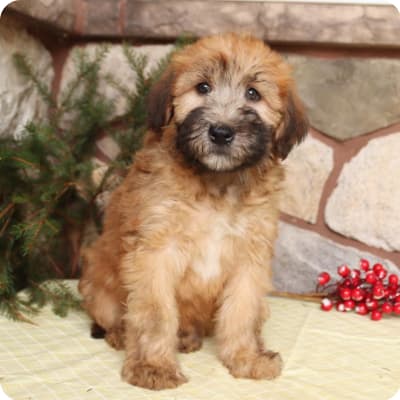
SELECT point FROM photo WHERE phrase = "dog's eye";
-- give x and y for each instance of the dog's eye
(203, 88)
(252, 94)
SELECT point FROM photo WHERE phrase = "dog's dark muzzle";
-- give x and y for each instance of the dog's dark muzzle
(221, 134)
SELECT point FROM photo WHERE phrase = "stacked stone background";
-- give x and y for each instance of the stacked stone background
(342, 194)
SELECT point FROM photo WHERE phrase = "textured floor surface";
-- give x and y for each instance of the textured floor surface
(327, 356)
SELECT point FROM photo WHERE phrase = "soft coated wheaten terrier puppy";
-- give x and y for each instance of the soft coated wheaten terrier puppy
(189, 234)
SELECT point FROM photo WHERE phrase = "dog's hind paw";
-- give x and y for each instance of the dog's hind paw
(189, 342)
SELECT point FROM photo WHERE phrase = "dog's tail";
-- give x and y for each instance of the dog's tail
(97, 331)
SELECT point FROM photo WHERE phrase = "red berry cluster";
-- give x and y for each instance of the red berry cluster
(363, 290)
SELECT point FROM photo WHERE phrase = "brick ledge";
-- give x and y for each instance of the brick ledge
(276, 22)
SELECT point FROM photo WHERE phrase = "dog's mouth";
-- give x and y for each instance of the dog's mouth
(223, 147)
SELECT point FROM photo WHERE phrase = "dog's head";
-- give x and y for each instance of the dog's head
(232, 101)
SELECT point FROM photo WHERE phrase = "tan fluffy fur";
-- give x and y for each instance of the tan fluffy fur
(186, 254)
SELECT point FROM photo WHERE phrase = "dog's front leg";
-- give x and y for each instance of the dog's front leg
(238, 329)
(151, 319)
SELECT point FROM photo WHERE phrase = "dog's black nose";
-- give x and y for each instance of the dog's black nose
(221, 134)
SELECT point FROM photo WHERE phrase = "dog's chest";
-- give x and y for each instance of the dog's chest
(206, 260)
(213, 231)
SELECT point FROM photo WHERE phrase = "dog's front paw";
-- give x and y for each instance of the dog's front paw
(265, 365)
(151, 376)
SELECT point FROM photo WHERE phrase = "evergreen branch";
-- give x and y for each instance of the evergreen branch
(12, 308)
(84, 69)
(21, 317)
(51, 226)
(6, 210)
(137, 62)
(25, 68)
(55, 266)
(67, 186)
(36, 234)
(5, 226)
(21, 160)
(119, 86)
(91, 205)
(47, 194)
(59, 296)
(3, 213)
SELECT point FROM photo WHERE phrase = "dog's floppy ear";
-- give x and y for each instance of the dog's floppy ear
(159, 103)
(293, 128)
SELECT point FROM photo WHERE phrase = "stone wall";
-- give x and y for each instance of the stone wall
(19, 102)
(342, 194)
(304, 23)
(343, 181)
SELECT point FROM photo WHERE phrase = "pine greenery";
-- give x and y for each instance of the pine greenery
(47, 195)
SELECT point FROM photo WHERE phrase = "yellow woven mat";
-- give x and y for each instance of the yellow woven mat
(326, 355)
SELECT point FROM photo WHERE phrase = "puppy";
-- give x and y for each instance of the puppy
(189, 234)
